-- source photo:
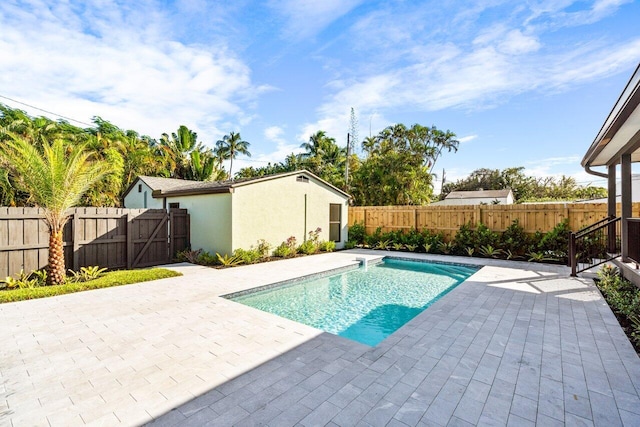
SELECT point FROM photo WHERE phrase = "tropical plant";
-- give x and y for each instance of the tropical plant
(410, 247)
(24, 281)
(55, 178)
(230, 146)
(229, 260)
(489, 251)
(397, 246)
(86, 273)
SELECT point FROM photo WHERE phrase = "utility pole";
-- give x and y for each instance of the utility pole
(346, 166)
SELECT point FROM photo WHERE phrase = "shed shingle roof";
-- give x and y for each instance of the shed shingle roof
(171, 186)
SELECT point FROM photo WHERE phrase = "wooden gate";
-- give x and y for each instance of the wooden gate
(107, 237)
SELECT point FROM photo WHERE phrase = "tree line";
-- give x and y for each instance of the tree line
(395, 168)
(525, 188)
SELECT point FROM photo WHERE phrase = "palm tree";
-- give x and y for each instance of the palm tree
(317, 143)
(176, 149)
(230, 146)
(55, 177)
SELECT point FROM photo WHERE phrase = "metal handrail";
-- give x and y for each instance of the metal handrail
(594, 244)
(595, 225)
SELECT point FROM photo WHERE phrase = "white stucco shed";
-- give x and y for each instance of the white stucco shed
(227, 215)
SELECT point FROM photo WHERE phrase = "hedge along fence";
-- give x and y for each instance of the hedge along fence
(448, 219)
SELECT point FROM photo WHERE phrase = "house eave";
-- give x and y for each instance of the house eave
(620, 133)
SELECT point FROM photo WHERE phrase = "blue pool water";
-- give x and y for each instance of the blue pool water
(363, 305)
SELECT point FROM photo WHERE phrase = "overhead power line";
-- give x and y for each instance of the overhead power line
(46, 111)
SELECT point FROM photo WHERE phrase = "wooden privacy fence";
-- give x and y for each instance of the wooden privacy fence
(448, 219)
(107, 237)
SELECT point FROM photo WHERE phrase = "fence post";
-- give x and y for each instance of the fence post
(572, 254)
(172, 240)
(75, 238)
(130, 244)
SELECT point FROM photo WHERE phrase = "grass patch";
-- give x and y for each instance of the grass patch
(113, 278)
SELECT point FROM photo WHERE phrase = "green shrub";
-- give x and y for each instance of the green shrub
(113, 278)
(555, 243)
(464, 239)
(357, 233)
(372, 240)
(286, 249)
(624, 299)
(264, 248)
(308, 247)
(412, 238)
(431, 240)
(328, 246)
(514, 240)
(247, 256)
(349, 244)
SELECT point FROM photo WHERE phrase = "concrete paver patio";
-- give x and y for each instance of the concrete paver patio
(516, 344)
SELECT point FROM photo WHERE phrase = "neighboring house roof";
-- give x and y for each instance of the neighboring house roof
(480, 194)
(163, 187)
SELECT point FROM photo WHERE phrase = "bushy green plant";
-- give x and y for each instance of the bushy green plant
(372, 240)
(397, 246)
(484, 236)
(555, 243)
(207, 258)
(514, 240)
(464, 239)
(357, 233)
(350, 244)
(328, 246)
(247, 256)
(308, 247)
(624, 299)
(411, 247)
(188, 255)
(264, 248)
(412, 238)
(286, 249)
(431, 240)
(383, 245)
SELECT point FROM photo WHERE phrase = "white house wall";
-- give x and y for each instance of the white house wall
(210, 216)
(274, 210)
(135, 199)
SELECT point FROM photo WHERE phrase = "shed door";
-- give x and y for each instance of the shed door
(335, 211)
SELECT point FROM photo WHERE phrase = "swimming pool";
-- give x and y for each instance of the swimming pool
(365, 305)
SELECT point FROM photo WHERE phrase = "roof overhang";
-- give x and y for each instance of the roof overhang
(620, 133)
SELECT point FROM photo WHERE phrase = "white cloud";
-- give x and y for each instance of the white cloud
(273, 134)
(467, 138)
(306, 18)
(120, 65)
(443, 67)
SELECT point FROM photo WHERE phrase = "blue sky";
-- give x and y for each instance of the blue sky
(521, 83)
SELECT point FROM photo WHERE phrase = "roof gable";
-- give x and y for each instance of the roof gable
(162, 187)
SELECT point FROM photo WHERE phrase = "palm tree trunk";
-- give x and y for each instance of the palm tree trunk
(56, 274)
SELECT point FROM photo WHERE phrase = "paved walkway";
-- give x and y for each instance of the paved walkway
(516, 345)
